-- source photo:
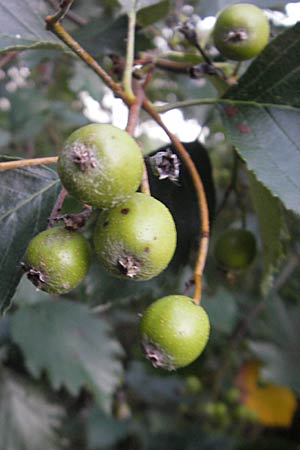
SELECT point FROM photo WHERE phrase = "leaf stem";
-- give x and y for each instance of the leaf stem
(27, 162)
(127, 74)
(202, 202)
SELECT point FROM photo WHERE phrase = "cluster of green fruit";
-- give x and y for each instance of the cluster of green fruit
(134, 238)
(241, 31)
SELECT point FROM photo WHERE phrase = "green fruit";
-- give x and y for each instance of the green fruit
(56, 260)
(100, 165)
(137, 239)
(174, 331)
(241, 31)
(235, 249)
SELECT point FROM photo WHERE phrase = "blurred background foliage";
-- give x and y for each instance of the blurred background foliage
(72, 371)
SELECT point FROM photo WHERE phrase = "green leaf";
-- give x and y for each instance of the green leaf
(222, 310)
(27, 420)
(268, 140)
(153, 13)
(269, 214)
(278, 347)
(128, 5)
(103, 36)
(28, 195)
(104, 431)
(262, 125)
(152, 386)
(23, 27)
(79, 349)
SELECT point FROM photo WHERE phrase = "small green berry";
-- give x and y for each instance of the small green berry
(137, 239)
(235, 249)
(56, 260)
(100, 165)
(241, 31)
(174, 331)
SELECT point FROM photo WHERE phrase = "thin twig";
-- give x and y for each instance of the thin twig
(63, 35)
(64, 7)
(27, 162)
(70, 14)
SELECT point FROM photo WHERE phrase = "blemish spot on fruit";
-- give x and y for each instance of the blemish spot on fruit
(146, 249)
(124, 211)
(243, 128)
(129, 266)
(105, 223)
(231, 110)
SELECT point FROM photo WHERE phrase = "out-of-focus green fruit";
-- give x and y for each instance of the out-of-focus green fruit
(241, 31)
(235, 249)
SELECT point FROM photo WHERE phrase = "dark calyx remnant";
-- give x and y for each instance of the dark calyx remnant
(238, 35)
(158, 357)
(35, 276)
(129, 266)
(165, 164)
(83, 157)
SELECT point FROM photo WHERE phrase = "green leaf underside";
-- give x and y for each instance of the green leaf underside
(22, 27)
(80, 351)
(269, 214)
(27, 420)
(279, 346)
(104, 431)
(28, 195)
(267, 139)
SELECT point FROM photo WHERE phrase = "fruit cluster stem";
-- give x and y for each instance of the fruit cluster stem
(202, 202)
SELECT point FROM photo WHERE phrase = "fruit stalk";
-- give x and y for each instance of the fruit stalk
(202, 202)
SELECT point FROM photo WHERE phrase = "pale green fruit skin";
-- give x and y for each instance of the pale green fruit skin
(141, 228)
(235, 249)
(61, 256)
(174, 331)
(246, 17)
(117, 165)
